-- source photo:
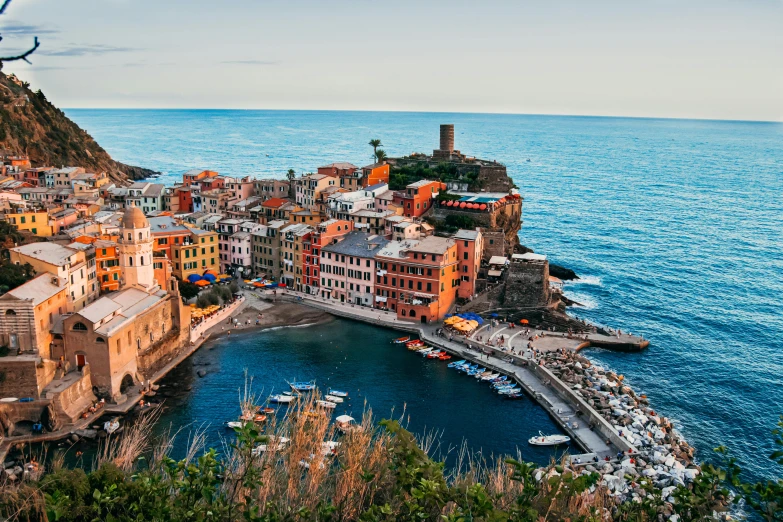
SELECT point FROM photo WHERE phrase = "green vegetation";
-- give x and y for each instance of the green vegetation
(12, 275)
(377, 473)
(217, 295)
(188, 290)
(403, 175)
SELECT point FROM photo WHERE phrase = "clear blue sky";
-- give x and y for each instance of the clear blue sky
(691, 59)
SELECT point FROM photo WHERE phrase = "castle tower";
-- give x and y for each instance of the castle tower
(447, 137)
(135, 250)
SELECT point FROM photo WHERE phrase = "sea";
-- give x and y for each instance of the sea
(675, 228)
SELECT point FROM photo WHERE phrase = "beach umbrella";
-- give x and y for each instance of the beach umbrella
(494, 315)
(194, 278)
(449, 203)
(463, 205)
(209, 277)
(202, 282)
(483, 207)
(523, 321)
(212, 272)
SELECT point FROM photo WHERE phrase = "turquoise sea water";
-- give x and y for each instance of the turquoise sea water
(675, 226)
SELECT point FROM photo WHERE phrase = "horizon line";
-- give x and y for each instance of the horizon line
(715, 120)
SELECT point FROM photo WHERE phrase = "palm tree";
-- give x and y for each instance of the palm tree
(380, 155)
(291, 175)
(375, 144)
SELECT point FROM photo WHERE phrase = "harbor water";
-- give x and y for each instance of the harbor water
(675, 226)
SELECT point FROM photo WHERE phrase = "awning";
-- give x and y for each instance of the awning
(494, 273)
(380, 299)
(419, 294)
(498, 260)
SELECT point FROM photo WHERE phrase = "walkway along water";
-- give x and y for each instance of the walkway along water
(582, 422)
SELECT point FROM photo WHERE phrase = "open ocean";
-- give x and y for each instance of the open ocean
(675, 226)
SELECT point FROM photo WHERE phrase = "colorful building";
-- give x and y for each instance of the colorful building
(196, 254)
(36, 222)
(470, 247)
(418, 279)
(417, 198)
(375, 174)
(322, 234)
(197, 175)
(348, 268)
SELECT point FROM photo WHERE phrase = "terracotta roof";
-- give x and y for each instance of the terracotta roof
(274, 202)
(134, 218)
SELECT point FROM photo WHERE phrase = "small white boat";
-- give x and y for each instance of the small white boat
(282, 399)
(548, 440)
(329, 447)
(272, 444)
(490, 377)
(334, 398)
(235, 424)
(111, 426)
(425, 351)
(336, 393)
(326, 404)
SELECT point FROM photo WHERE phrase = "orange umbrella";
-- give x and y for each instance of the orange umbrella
(523, 321)
(483, 207)
(202, 282)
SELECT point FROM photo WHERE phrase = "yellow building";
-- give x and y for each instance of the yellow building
(28, 313)
(35, 221)
(196, 255)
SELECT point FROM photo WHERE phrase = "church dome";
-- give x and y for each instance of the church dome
(134, 218)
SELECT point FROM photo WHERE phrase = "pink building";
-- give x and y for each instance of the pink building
(348, 266)
(240, 188)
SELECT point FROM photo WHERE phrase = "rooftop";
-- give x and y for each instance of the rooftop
(164, 224)
(433, 245)
(51, 253)
(396, 249)
(360, 244)
(469, 235)
(39, 289)
(340, 165)
(274, 202)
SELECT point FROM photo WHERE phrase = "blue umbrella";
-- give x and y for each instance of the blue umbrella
(209, 277)
(494, 315)
(194, 277)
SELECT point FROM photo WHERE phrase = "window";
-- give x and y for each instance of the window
(79, 327)
(100, 340)
(10, 312)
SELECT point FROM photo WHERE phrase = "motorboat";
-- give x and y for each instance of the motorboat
(326, 404)
(346, 424)
(457, 363)
(548, 440)
(234, 424)
(282, 399)
(302, 387)
(401, 340)
(333, 398)
(336, 393)
(490, 377)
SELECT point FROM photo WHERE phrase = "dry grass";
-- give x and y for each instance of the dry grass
(135, 440)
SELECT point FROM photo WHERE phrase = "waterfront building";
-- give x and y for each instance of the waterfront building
(197, 175)
(347, 268)
(184, 198)
(107, 260)
(291, 247)
(322, 234)
(417, 198)
(266, 249)
(67, 263)
(28, 314)
(470, 247)
(418, 279)
(196, 254)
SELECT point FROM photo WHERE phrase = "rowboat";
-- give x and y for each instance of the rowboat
(444, 356)
(435, 354)
(302, 386)
(475, 372)
(500, 379)
(457, 363)
(483, 374)
(425, 351)
(416, 347)
(336, 393)
(268, 411)
(415, 342)
(326, 404)
(401, 340)
(509, 391)
(504, 386)
(333, 398)
(252, 417)
(548, 440)
(490, 377)
(467, 367)
(282, 399)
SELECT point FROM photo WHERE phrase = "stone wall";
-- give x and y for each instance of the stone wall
(15, 412)
(70, 403)
(493, 178)
(527, 285)
(494, 244)
(25, 376)
(160, 353)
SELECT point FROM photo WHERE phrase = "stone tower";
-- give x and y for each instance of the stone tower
(135, 250)
(447, 150)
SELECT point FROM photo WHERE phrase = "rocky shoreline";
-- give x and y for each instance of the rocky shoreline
(661, 456)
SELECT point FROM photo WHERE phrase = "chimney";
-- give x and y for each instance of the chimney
(447, 137)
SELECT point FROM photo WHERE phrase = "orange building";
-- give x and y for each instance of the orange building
(417, 279)
(184, 199)
(107, 260)
(418, 197)
(374, 174)
(197, 175)
(166, 232)
(470, 248)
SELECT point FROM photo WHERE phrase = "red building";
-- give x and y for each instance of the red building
(470, 248)
(184, 198)
(324, 234)
(418, 197)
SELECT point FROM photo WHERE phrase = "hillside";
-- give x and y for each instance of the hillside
(30, 125)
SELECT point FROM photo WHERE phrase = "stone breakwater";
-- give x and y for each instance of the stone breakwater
(659, 455)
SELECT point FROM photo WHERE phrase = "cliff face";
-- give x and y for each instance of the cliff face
(31, 126)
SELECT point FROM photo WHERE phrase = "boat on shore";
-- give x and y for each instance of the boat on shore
(548, 440)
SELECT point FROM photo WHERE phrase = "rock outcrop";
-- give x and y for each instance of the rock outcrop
(31, 126)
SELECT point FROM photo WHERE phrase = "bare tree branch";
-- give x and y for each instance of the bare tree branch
(25, 54)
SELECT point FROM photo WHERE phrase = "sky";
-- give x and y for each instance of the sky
(711, 59)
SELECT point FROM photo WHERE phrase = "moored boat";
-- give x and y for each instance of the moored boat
(548, 440)
(282, 399)
(425, 351)
(490, 377)
(435, 354)
(302, 387)
(333, 398)
(444, 356)
(401, 340)
(336, 393)
(457, 363)
(346, 424)
(509, 391)
(329, 405)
